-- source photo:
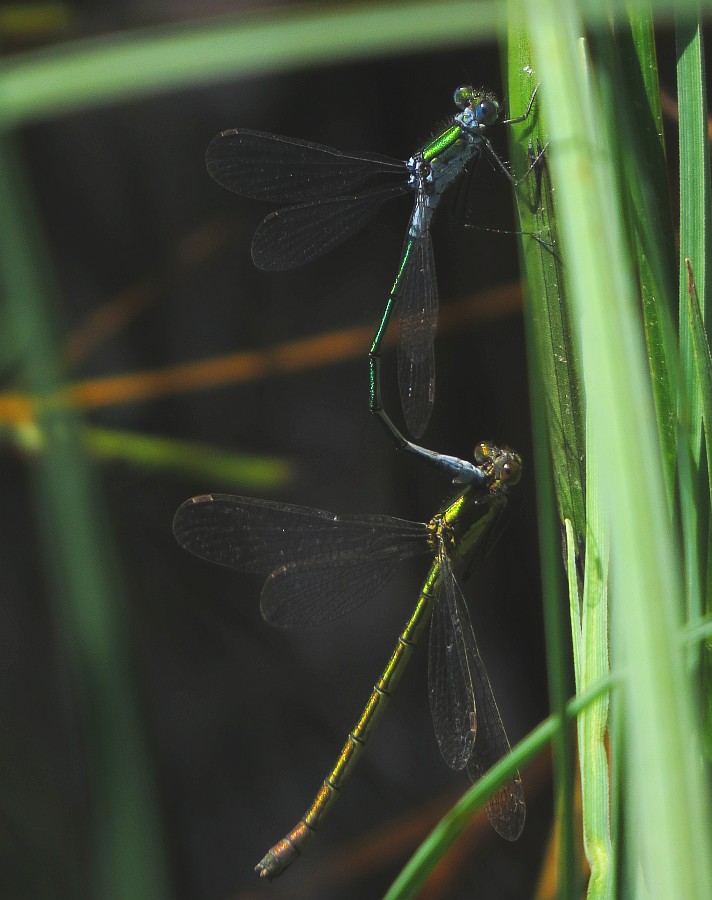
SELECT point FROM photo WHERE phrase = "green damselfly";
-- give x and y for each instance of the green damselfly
(320, 566)
(332, 201)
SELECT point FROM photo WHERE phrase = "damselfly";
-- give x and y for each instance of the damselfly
(332, 201)
(320, 566)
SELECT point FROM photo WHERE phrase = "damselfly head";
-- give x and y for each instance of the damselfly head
(482, 104)
(502, 465)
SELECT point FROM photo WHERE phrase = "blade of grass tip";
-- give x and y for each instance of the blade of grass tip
(703, 368)
(695, 190)
(627, 71)
(127, 853)
(555, 404)
(666, 805)
(695, 245)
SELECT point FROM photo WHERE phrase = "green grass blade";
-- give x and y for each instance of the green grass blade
(703, 371)
(558, 638)
(80, 74)
(627, 72)
(89, 73)
(238, 470)
(695, 203)
(241, 471)
(695, 246)
(593, 665)
(666, 805)
(547, 317)
(556, 418)
(127, 856)
(702, 359)
(570, 544)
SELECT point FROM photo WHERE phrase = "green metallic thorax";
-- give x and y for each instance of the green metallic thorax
(460, 525)
(452, 136)
(467, 517)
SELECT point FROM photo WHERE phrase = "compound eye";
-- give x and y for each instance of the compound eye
(462, 96)
(511, 472)
(486, 112)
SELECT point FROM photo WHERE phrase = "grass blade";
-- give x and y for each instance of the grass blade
(89, 611)
(556, 419)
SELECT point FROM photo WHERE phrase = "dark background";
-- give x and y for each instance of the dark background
(244, 720)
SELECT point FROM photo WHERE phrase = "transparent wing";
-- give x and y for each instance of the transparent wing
(417, 317)
(450, 668)
(459, 681)
(315, 591)
(506, 810)
(320, 565)
(296, 235)
(282, 169)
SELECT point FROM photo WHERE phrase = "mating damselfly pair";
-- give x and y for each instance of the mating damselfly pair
(318, 565)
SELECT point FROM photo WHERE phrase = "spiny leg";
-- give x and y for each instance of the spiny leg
(525, 115)
(494, 156)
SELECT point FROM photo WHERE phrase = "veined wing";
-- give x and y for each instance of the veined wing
(283, 169)
(319, 565)
(296, 235)
(462, 686)
(417, 308)
(450, 667)
(315, 591)
(507, 809)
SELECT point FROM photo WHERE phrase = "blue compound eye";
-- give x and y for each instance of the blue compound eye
(486, 112)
